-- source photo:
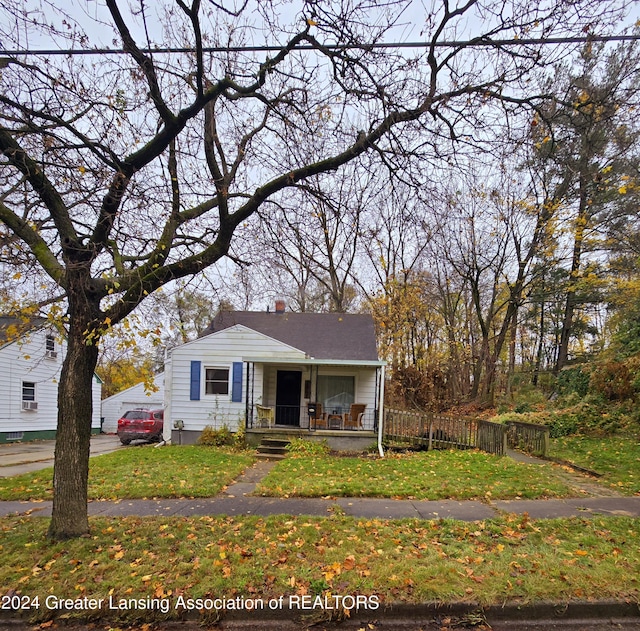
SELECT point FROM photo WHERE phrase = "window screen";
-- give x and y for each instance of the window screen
(216, 381)
(28, 391)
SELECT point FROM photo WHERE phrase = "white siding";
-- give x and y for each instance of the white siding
(234, 344)
(96, 399)
(26, 360)
(168, 398)
(115, 406)
(221, 350)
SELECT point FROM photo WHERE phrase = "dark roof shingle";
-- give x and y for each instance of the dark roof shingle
(338, 336)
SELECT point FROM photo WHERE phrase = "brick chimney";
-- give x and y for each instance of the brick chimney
(280, 306)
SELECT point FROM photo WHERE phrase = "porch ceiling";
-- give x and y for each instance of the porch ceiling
(310, 361)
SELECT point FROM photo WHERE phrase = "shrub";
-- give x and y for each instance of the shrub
(301, 447)
(573, 380)
(240, 437)
(216, 437)
(613, 380)
(564, 423)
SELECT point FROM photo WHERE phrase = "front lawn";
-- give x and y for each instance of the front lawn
(616, 457)
(142, 472)
(507, 560)
(430, 475)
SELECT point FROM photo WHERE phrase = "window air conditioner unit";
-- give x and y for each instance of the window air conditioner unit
(51, 354)
(29, 405)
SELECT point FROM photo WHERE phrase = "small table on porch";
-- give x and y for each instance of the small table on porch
(334, 421)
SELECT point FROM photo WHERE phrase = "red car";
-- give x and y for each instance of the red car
(141, 424)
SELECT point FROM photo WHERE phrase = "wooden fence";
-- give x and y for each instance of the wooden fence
(534, 439)
(492, 437)
(439, 431)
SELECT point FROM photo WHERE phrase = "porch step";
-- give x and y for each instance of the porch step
(273, 449)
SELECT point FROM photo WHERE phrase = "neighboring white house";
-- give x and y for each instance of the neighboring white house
(30, 363)
(285, 362)
(116, 405)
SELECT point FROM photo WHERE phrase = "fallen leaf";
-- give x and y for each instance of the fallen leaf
(349, 562)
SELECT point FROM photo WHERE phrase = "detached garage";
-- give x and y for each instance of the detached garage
(115, 406)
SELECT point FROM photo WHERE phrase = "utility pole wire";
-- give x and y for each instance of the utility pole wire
(481, 42)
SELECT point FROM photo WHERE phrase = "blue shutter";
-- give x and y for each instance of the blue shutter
(236, 389)
(195, 381)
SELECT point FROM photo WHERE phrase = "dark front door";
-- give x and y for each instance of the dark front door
(288, 389)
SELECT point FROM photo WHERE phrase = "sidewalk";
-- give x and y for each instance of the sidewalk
(237, 500)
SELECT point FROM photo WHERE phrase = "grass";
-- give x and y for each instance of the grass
(142, 472)
(510, 559)
(430, 475)
(616, 457)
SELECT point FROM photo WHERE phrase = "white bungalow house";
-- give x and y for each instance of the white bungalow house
(31, 356)
(137, 396)
(311, 374)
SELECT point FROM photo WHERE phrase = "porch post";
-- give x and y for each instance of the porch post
(246, 396)
(381, 412)
(249, 397)
(315, 390)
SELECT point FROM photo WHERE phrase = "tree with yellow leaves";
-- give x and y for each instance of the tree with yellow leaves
(124, 171)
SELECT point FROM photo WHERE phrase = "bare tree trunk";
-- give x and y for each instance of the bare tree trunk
(538, 366)
(570, 304)
(481, 361)
(75, 406)
(513, 337)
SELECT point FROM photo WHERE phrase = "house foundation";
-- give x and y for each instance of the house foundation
(337, 440)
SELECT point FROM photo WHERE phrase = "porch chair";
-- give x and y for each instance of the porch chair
(264, 416)
(319, 419)
(353, 420)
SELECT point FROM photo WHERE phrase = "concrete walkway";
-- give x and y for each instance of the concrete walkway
(17, 458)
(237, 500)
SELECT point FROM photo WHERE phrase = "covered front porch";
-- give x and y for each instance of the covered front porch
(307, 396)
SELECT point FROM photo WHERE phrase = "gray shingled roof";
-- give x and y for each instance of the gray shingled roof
(337, 336)
(21, 326)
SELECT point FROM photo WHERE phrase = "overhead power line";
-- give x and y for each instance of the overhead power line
(482, 42)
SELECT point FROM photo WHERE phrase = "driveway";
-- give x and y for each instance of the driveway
(24, 457)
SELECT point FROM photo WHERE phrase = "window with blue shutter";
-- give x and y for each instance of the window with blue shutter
(216, 381)
(195, 381)
(236, 390)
